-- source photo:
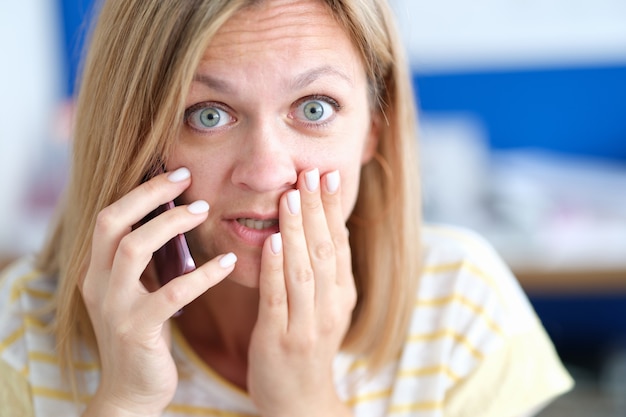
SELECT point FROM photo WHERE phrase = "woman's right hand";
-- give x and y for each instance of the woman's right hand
(138, 374)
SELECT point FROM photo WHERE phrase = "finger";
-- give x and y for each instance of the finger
(299, 279)
(136, 248)
(331, 198)
(117, 219)
(273, 306)
(320, 246)
(176, 294)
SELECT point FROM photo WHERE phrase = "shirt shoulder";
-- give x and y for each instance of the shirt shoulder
(472, 323)
(16, 281)
(28, 351)
(23, 292)
(14, 393)
(462, 269)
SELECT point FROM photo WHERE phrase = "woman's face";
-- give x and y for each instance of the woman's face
(280, 89)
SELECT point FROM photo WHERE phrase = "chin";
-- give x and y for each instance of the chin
(246, 273)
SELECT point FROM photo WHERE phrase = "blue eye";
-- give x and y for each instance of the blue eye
(205, 117)
(315, 110)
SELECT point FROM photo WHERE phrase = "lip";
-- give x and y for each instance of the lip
(249, 235)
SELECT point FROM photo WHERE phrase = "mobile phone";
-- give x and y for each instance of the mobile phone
(174, 258)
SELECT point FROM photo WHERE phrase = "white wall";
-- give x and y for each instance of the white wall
(444, 35)
(30, 89)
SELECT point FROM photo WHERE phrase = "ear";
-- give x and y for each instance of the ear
(371, 140)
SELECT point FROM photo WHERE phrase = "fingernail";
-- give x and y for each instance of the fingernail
(332, 181)
(198, 207)
(312, 179)
(293, 201)
(228, 260)
(276, 243)
(179, 175)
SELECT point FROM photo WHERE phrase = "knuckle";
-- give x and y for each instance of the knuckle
(312, 204)
(341, 240)
(304, 275)
(175, 294)
(328, 324)
(290, 227)
(275, 268)
(130, 247)
(151, 187)
(324, 250)
(177, 215)
(105, 220)
(304, 343)
(276, 300)
(124, 330)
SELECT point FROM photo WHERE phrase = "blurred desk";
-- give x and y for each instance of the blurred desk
(573, 281)
(583, 311)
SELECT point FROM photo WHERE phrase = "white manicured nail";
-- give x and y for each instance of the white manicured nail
(276, 243)
(228, 260)
(332, 181)
(293, 201)
(179, 175)
(312, 179)
(198, 207)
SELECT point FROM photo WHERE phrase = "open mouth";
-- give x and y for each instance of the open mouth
(257, 224)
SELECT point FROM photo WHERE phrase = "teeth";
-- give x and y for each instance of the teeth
(257, 224)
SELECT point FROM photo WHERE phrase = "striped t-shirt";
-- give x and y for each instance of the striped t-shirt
(474, 348)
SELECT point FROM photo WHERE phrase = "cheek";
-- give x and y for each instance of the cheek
(350, 180)
(358, 155)
(206, 173)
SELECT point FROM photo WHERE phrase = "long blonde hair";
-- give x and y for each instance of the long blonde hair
(140, 64)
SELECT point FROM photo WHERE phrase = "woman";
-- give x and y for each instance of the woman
(292, 119)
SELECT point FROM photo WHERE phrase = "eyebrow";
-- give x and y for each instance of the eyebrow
(303, 80)
(213, 83)
(300, 82)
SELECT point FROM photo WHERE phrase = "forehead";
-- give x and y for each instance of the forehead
(284, 34)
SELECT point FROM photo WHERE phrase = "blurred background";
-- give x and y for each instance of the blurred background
(522, 135)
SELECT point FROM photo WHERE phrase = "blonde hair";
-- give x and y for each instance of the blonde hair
(141, 62)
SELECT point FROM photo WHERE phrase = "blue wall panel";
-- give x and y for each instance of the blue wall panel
(576, 110)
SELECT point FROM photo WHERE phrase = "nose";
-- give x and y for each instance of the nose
(266, 160)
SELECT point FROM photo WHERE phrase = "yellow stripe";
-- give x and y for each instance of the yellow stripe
(13, 337)
(53, 360)
(25, 372)
(459, 298)
(422, 406)
(429, 337)
(400, 408)
(458, 266)
(60, 395)
(202, 411)
(409, 373)
(469, 267)
(360, 363)
(32, 321)
(41, 294)
(175, 408)
(372, 396)
(20, 284)
(432, 370)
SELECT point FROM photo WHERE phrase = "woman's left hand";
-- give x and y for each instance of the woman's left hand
(307, 295)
